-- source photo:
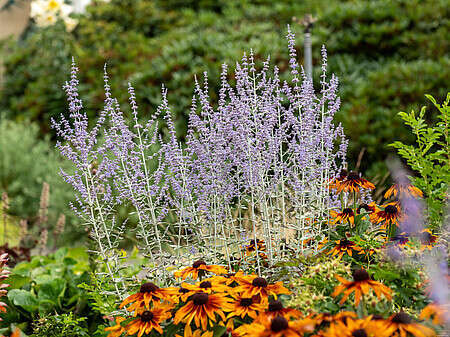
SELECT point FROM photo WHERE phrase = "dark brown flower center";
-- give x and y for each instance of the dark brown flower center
(246, 302)
(360, 275)
(183, 290)
(391, 210)
(343, 174)
(198, 263)
(275, 306)
(200, 298)
(426, 238)
(347, 211)
(259, 282)
(148, 287)
(146, 316)
(359, 333)
(402, 318)
(353, 176)
(345, 243)
(205, 284)
(278, 324)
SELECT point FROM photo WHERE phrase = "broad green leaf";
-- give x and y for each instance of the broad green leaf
(23, 299)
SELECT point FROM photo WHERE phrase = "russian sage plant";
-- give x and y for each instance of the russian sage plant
(255, 166)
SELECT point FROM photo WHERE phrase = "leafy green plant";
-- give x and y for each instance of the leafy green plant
(26, 162)
(429, 157)
(49, 285)
(65, 325)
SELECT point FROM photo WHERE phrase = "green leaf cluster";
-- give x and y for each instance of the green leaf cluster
(429, 157)
(48, 286)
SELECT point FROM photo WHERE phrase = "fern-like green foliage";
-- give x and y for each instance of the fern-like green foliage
(429, 157)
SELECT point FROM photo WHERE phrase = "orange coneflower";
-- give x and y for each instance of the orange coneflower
(400, 190)
(149, 292)
(427, 239)
(149, 319)
(353, 182)
(356, 328)
(201, 307)
(360, 285)
(390, 215)
(401, 324)
(438, 313)
(276, 308)
(253, 285)
(199, 268)
(116, 330)
(196, 333)
(400, 239)
(277, 326)
(324, 319)
(245, 306)
(334, 183)
(212, 284)
(346, 215)
(260, 244)
(344, 246)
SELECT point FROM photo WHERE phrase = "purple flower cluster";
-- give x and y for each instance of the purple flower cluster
(256, 165)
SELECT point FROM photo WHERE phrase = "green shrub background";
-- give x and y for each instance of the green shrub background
(387, 55)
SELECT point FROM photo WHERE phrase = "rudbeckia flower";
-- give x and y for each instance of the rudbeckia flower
(149, 319)
(276, 309)
(251, 248)
(347, 215)
(361, 285)
(435, 311)
(402, 324)
(212, 284)
(344, 246)
(400, 190)
(116, 330)
(353, 183)
(202, 308)
(427, 239)
(357, 328)
(199, 268)
(149, 292)
(254, 285)
(245, 306)
(278, 326)
(334, 183)
(390, 215)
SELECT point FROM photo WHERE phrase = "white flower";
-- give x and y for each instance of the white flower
(46, 20)
(38, 8)
(70, 23)
(66, 10)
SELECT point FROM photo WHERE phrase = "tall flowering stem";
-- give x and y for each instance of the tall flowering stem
(256, 166)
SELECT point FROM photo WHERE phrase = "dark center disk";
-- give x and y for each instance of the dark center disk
(278, 324)
(425, 238)
(343, 174)
(246, 302)
(364, 207)
(345, 243)
(402, 318)
(353, 176)
(200, 298)
(391, 210)
(148, 287)
(146, 316)
(275, 306)
(183, 290)
(360, 275)
(205, 284)
(359, 333)
(198, 263)
(259, 282)
(348, 211)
